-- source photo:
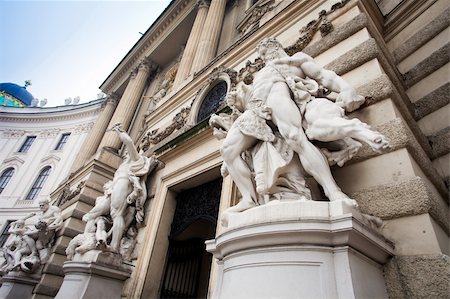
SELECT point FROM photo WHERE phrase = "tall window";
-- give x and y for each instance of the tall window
(5, 178)
(39, 183)
(27, 144)
(62, 141)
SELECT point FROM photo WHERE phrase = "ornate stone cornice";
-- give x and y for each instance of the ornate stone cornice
(144, 44)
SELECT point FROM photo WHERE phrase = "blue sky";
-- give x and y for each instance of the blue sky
(68, 48)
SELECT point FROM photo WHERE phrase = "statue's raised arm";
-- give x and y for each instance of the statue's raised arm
(127, 141)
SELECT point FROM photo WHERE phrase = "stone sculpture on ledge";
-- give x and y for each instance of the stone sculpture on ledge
(268, 135)
(30, 246)
(119, 209)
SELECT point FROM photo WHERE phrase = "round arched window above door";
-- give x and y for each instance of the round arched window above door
(212, 101)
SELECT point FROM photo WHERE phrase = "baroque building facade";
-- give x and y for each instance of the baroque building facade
(179, 73)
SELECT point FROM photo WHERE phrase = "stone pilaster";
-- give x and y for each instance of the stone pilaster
(192, 43)
(209, 39)
(128, 103)
(92, 141)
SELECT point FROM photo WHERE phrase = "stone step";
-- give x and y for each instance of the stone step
(423, 36)
(433, 101)
(440, 142)
(427, 66)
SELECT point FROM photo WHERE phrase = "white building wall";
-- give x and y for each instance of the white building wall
(48, 125)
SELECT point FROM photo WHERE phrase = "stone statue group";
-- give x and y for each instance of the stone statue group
(267, 145)
(267, 151)
(117, 212)
(29, 246)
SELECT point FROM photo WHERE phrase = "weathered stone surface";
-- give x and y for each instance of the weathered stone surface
(55, 264)
(359, 55)
(427, 66)
(418, 276)
(49, 285)
(403, 198)
(440, 142)
(376, 90)
(423, 36)
(339, 34)
(436, 99)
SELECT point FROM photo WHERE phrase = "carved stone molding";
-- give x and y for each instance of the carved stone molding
(49, 133)
(218, 71)
(144, 44)
(83, 128)
(13, 133)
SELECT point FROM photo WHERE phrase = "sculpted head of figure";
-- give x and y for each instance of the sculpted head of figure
(44, 204)
(270, 48)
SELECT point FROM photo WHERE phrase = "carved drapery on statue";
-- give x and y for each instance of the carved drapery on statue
(112, 223)
(268, 136)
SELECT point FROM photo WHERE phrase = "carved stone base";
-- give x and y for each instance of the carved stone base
(17, 284)
(300, 250)
(101, 278)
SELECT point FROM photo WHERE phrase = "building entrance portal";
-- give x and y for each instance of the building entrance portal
(188, 265)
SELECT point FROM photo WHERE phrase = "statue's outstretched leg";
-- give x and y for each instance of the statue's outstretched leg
(234, 145)
(287, 118)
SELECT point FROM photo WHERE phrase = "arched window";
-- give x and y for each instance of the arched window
(39, 183)
(5, 178)
(212, 101)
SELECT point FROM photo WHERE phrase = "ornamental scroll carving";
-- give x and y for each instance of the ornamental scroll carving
(251, 21)
(67, 194)
(320, 24)
(155, 136)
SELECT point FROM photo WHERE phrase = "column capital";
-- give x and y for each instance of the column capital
(147, 64)
(134, 72)
(203, 3)
(112, 98)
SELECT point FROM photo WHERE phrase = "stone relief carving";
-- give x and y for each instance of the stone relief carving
(30, 246)
(67, 194)
(49, 133)
(155, 136)
(83, 128)
(164, 87)
(321, 23)
(13, 133)
(255, 14)
(268, 149)
(119, 208)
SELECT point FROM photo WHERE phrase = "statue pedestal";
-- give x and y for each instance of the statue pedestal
(300, 250)
(102, 277)
(18, 284)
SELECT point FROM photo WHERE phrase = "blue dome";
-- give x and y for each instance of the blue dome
(16, 92)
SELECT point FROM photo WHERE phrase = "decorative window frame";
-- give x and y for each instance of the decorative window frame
(217, 75)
